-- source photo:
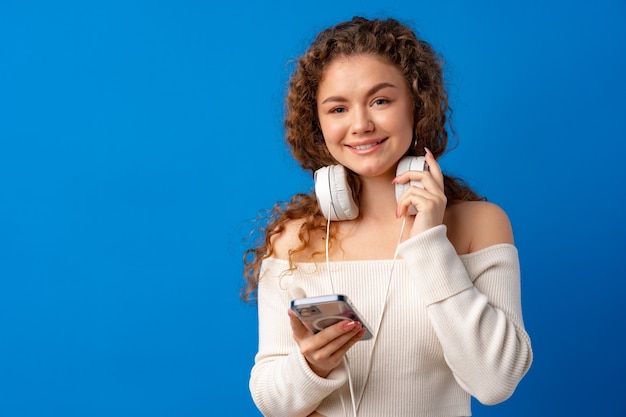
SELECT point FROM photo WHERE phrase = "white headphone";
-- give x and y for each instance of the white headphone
(334, 194)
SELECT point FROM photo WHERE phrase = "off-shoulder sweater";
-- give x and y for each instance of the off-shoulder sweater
(451, 328)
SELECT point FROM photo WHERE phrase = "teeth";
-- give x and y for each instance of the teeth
(362, 147)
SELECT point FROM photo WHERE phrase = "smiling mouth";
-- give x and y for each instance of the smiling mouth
(368, 146)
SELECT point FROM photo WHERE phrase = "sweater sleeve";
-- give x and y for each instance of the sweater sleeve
(477, 317)
(281, 381)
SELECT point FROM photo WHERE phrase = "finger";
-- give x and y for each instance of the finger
(299, 330)
(433, 167)
(336, 335)
(309, 341)
(429, 205)
(328, 346)
(339, 353)
(430, 181)
(422, 179)
(414, 196)
(423, 200)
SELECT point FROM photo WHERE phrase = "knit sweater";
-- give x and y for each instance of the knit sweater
(451, 328)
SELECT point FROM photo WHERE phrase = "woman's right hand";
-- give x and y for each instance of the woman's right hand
(325, 350)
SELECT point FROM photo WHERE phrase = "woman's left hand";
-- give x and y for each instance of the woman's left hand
(430, 201)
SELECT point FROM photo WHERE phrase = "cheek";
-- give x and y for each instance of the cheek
(332, 130)
(410, 127)
(400, 124)
(405, 124)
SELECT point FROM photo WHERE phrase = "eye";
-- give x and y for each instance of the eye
(380, 101)
(337, 110)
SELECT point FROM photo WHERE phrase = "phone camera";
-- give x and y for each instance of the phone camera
(309, 311)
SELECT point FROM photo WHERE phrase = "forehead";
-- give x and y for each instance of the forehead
(347, 71)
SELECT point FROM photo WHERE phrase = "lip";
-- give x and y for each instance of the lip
(367, 146)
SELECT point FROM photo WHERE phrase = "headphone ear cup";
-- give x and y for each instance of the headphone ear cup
(333, 193)
(410, 163)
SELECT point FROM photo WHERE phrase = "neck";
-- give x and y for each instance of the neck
(378, 198)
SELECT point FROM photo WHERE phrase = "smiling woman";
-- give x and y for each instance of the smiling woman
(440, 283)
(365, 111)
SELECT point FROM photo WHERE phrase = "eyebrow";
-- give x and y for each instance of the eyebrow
(371, 91)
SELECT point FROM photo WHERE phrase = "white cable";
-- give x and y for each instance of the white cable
(332, 287)
(350, 384)
(382, 313)
(345, 358)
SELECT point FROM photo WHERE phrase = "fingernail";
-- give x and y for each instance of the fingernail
(427, 151)
(349, 325)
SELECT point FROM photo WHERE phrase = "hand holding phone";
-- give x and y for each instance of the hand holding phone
(317, 313)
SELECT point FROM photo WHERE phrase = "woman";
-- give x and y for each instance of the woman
(440, 288)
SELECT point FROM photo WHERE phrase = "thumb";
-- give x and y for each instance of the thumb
(299, 329)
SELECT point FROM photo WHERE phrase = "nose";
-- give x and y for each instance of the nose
(362, 121)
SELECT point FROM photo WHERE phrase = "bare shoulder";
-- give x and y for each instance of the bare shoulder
(289, 239)
(475, 225)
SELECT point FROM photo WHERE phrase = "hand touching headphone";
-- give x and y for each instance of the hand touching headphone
(335, 197)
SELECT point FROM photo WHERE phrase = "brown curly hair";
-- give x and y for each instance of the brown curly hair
(422, 69)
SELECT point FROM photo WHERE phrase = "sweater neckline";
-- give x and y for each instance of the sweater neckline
(465, 256)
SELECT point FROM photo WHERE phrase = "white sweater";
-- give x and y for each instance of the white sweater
(452, 327)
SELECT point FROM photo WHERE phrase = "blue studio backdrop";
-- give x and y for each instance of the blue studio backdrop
(140, 139)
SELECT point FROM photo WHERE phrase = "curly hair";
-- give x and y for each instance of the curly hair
(422, 69)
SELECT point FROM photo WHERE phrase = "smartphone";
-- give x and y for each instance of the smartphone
(317, 313)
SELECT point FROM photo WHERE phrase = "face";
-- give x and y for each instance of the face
(365, 111)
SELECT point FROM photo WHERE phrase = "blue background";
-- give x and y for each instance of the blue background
(139, 139)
